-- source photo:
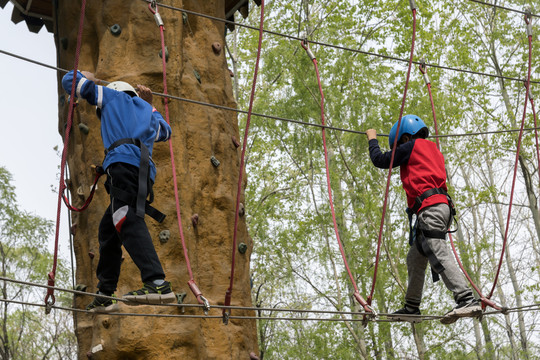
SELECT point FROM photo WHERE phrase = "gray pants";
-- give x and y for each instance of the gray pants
(434, 218)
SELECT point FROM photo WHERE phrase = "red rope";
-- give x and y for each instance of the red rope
(476, 288)
(377, 258)
(191, 283)
(357, 296)
(527, 85)
(50, 298)
(228, 294)
(88, 200)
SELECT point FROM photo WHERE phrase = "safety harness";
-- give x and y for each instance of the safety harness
(418, 236)
(141, 204)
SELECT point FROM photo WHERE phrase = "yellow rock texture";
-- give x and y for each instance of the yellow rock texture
(199, 132)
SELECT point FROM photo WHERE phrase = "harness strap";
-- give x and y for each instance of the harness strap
(435, 191)
(128, 199)
(424, 249)
(144, 164)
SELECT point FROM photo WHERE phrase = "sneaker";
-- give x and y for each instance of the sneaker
(102, 305)
(151, 293)
(407, 313)
(465, 308)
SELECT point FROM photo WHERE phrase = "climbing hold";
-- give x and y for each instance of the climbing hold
(75, 102)
(91, 254)
(197, 76)
(64, 42)
(231, 73)
(73, 229)
(116, 30)
(80, 287)
(184, 17)
(180, 297)
(61, 100)
(217, 48)
(253, 356)
(242, 248)
(241, 210)
(84, 128)
(164, 236)
(195, 219)
(122, 260)
(166, 54)
(80, 191)
(106, 323)
(214, 161)
(235, 141)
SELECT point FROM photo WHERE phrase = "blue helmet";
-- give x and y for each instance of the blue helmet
(410, 124)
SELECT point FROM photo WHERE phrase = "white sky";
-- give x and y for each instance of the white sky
(29, 118)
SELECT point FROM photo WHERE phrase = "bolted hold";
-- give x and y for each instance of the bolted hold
(80, 191)
(80, 287)
(241, 210)
(197, 76)
(73, 229)
(180, 297)
(231, 73)
(166, 54)
(214, 161)
(116, 29)
(122, 260)
(84, 128)
(242, 248)
(64, 42)
(235, 141)
(91, 254)
(195, 219)
(61, 100)
(106, 323)
(253, 356)
(164, 236)
(216, 47)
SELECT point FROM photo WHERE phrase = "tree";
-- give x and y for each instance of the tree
(25, 333)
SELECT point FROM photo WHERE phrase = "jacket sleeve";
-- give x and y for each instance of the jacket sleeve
(382, 160)
(164, 130)
(84, 88)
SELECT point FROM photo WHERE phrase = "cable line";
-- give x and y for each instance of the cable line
(505, 8)
(222, 107)
(344, 48)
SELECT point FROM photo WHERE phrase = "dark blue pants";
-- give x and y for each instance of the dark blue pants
(121, 226)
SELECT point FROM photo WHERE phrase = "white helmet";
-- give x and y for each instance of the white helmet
(123, 86)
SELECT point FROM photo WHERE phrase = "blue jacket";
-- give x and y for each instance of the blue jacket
(122, 116)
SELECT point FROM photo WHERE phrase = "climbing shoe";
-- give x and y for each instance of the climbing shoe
(465, 308)
(151, 293)
(102, 305)
(407, 313)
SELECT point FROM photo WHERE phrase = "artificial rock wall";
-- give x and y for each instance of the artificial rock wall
(195, 71)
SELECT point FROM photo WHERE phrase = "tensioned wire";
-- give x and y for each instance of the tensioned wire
(368, 317)
(271, 116)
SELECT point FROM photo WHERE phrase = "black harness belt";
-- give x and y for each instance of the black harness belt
(142, 206)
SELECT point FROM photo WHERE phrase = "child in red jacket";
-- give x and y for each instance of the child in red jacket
(423, 175)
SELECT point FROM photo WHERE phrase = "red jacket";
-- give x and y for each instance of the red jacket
(422, 168)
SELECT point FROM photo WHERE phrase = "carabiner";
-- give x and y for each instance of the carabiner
(305, 45)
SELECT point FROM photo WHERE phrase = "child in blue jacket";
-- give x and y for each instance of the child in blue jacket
(129, 127)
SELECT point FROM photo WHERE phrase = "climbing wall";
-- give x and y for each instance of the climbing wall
(121, 41)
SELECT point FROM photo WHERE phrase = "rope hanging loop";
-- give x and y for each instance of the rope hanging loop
(422, 68)
(154, 10)
(305, 45)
